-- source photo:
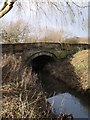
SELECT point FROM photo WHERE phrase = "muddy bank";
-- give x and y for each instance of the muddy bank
(73, 72)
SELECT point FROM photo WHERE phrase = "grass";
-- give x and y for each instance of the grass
(80, 63)
(22, 94)
(72, 71)
(62, 55)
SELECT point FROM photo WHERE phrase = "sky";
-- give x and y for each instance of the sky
(52, 18)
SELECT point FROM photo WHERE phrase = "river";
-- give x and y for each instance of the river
(63, 99)
(69, 104)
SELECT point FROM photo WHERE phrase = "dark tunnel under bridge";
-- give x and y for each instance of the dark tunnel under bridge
(40, 59)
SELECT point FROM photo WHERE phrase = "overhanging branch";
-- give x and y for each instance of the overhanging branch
(4, 5)
(79, 5)
(7, 6)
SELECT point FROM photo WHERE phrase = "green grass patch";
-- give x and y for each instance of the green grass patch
(62, 55)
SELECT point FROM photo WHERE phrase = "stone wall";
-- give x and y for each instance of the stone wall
(23, 47)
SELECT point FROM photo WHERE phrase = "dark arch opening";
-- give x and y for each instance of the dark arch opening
(40, 62)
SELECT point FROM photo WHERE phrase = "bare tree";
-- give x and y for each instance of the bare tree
(64, 8)
(14, 32)
(8, 5)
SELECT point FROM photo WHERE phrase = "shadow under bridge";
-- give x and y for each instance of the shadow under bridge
(40, 59)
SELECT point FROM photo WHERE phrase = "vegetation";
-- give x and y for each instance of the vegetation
(77, 40)
(16, 32)
(72, 71)
(80, 63)
(22, 94)
(62, 55)
(53, 13)
(20, 31)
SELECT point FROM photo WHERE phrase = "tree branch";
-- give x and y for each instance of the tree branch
(6, 7)
(56, 7)
(79, 5)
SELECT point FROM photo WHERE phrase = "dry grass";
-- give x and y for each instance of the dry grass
(73, 71)
(54, 38)
(77, 40)
(80, 62)
(22, 94)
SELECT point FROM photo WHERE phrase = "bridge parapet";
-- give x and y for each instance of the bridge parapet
(24, 47)
(29, 51)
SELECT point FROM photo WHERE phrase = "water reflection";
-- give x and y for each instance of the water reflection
(67, 103)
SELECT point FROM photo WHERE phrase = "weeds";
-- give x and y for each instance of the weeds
(22, 95)
(62, 55)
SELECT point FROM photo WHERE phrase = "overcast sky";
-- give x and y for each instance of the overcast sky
(51, 17)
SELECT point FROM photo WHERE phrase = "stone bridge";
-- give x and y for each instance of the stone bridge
(38, 52)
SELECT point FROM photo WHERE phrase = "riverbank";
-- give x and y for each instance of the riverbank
(22, 93)
(72, 71)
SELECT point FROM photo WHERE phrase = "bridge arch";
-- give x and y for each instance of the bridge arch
(41, 53)
(39, 59)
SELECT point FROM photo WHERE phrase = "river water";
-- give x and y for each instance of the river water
(69, 104)
(64, 100)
